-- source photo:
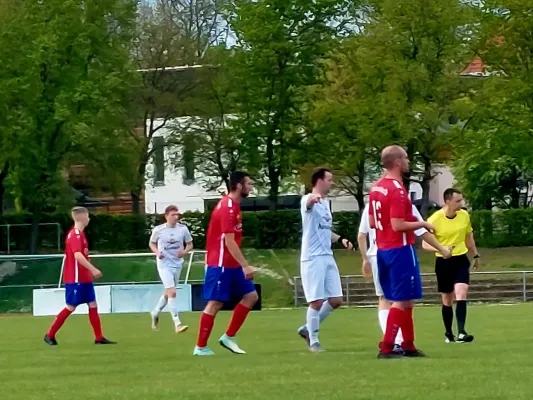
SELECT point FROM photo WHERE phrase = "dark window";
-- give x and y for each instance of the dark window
(158, 144)
(188, 160)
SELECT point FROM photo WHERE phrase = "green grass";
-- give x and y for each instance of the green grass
(159, 365)
(277, 268)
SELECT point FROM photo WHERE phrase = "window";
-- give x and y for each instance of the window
(188, 159)
(158, 144)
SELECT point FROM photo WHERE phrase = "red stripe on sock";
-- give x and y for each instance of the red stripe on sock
(237, 319)
(58, 322)
(394, 323)
(206, 326)
(94, 318)
(408, 329)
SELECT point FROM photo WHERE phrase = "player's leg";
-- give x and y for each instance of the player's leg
(462, 281)
(216, 292)
(333, 290)
(313, 273)
(167, 279)
(171, 294)
(71, 300)
(445, 287)
(89, 297)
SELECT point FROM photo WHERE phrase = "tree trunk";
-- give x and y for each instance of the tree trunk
(426, 182)
(136, 193)
(273, 192)
(360, 186)
(136, 201)
(34, 232)
(3, 176)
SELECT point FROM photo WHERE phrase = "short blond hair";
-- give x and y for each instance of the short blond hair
(77, 211)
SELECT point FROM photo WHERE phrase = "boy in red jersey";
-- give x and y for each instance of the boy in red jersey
(228, 274)
(392, 217)
(78, 275)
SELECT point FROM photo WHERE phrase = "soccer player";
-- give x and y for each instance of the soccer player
(399, 273)
(453, 228)
(167, 244)
(370, 265)
(321, 280)
(228, 274)
(78, 274)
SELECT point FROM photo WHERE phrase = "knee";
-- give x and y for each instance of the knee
(316, 305)
(447, 299)
(250, 299)
(170, 293)
(72, 308)
(212, 307)
(335, 302)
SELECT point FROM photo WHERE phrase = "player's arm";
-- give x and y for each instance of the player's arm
(235, 250)
(152, 243)
(188, 244)
(311, 200)
(471, 243)
(229, 224)
(80, 258)
(431, 242)
(338, 238)
(398, 214)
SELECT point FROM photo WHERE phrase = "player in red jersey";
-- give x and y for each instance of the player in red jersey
(78, 274)
(399, 273)
(228, 274)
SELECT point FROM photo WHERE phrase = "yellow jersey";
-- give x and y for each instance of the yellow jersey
(452, 231)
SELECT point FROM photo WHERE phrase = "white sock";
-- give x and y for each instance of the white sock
(325, 310)
(382, 316)
(173, 309)
(313, 323)
(160, 305)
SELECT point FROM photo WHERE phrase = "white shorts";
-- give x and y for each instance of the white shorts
(375, 275)
(169, 276)
(320, 278)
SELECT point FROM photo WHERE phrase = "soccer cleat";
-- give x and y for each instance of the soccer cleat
(397, 349)
(387, 356)
(181, 328)
(155, 322)
(316, 348)
(104, 341)
(465, 338)
(414, 353)
(450, 338)
(304, 334)
(50, 340)
(202, 351)
(231, 344)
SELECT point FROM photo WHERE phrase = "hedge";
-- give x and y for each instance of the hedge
(279, 229)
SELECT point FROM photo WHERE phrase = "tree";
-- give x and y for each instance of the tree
(72, 80)
(279, 45)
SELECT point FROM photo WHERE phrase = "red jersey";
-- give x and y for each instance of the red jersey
(72, 272)
(226, 218)
(389, 199)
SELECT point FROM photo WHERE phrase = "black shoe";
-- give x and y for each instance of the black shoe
(50, 341)
(450, 338)
(384, 356)
(397, 349)
(464, 338)
(414, 353)
(104, 341)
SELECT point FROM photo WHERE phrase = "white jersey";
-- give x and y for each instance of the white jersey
(170, 241)
(316, 229)
(364, 227)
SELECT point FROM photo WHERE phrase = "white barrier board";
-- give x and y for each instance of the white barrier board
(52, 301)
(143, 298)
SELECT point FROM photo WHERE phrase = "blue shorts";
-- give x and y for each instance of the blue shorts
(399, 274)
(225, 284)
(79, 293)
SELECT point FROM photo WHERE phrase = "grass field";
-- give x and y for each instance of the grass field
(160, 365)
(277, 268)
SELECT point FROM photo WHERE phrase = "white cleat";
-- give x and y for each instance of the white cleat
(203, 351)
(231, 344)
(155, 322)
(181, 328)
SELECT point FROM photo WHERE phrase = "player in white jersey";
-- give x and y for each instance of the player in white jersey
(321, 280)
(167, 243)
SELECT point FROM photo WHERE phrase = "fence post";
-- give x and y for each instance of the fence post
(347, 291)
(295, 292)
(8, 240)
(524, 286)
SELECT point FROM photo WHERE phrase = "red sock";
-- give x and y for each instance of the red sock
(58, 322)
(408, 330)
(394, 323)
(237, 319)
(206, 325)
(94, 318)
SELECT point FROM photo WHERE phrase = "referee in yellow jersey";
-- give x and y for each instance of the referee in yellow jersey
(453, 228)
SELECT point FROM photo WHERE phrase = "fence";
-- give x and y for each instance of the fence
(19, 246)
(489, 287)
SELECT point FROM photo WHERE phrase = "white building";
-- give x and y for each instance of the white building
(166, 185)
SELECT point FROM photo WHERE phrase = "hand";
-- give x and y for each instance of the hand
(96, 273)
(429, 227)
(248, 272)
(366, 268)
(447, 252)
(476, 264)
(315, 198)
(347, 244)
(160, 255)
(182, 253)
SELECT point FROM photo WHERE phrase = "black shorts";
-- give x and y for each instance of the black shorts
(450, 271)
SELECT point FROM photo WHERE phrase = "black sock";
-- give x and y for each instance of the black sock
(447, 317)
(460, 311)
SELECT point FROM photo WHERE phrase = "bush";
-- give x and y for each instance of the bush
(262, 230)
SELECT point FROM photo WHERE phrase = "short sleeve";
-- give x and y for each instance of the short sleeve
(187, 235)
(418, 216)
(468, 223)
(75, 242)
(228, 218)
(398, 204)
(364, 225)
(303, 203)
(154, 237)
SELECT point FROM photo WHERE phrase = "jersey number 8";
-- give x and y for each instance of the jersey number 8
(376, 205)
